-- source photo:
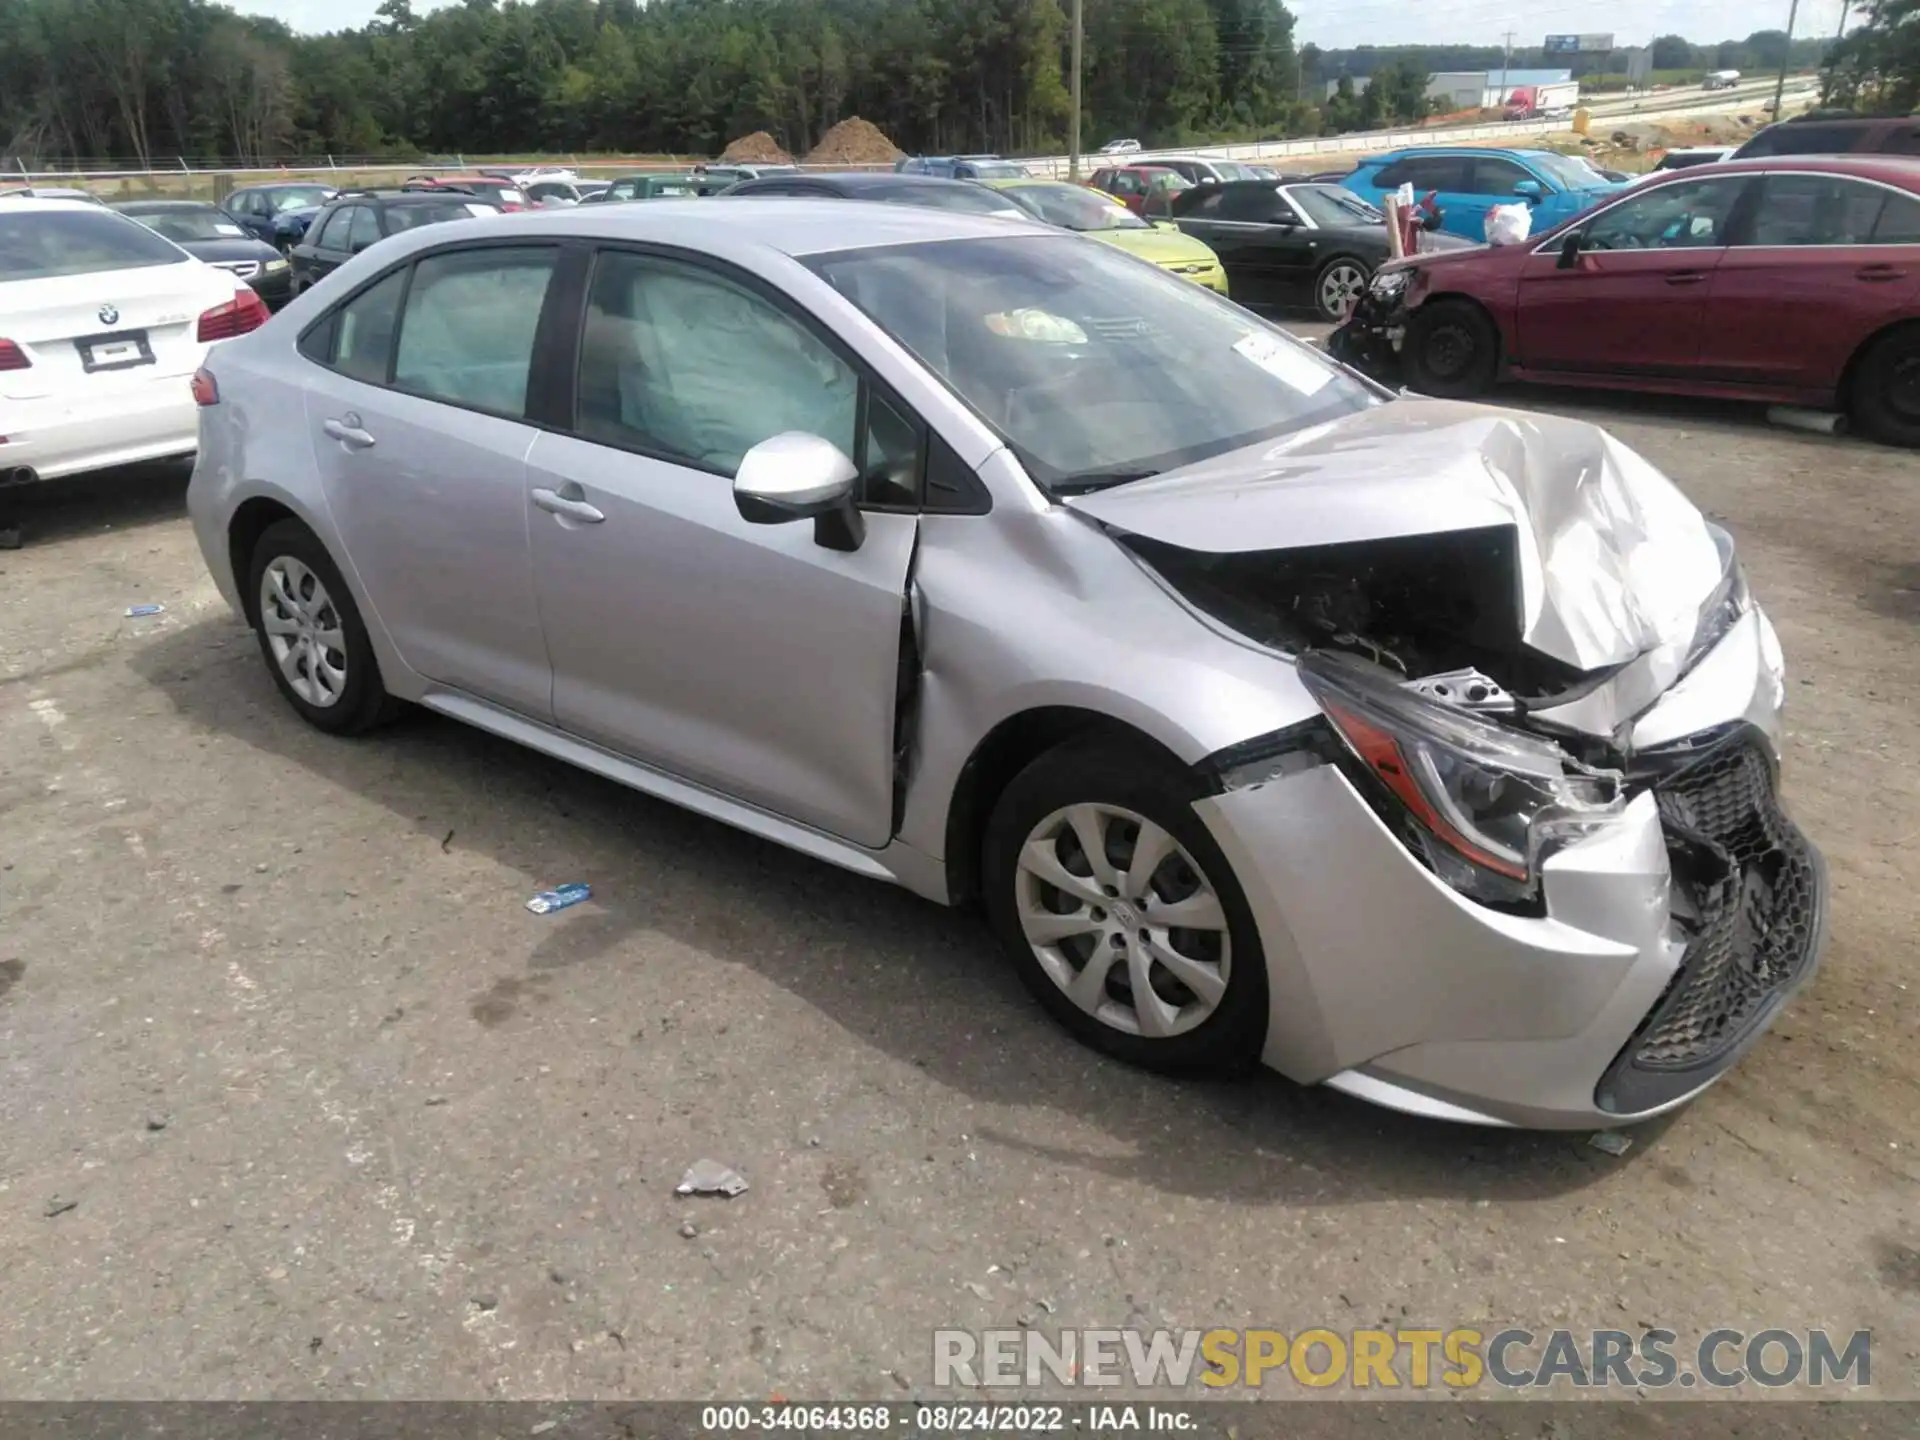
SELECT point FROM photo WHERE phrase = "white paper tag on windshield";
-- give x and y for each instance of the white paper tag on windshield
(223, 229)
(1285, 362)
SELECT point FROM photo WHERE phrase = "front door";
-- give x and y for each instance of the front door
(745, 658)
(417, 427)
(1635, 301)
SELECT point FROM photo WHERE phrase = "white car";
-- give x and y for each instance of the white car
(1121, 147)
(102, 325)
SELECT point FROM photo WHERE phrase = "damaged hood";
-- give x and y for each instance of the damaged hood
(1613, 560)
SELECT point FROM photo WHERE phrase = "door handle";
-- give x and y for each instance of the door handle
(1686, 277)
(573, 507)
(1880, 272)
(348, 432)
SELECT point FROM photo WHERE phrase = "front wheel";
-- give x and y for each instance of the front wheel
(1886, 389)
(1120, 912)
(1451, 350)
(1338, 287)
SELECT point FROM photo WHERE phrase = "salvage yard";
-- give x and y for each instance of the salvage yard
(301, 1102)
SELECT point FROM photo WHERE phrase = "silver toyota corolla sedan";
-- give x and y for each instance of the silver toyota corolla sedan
(1419, 749)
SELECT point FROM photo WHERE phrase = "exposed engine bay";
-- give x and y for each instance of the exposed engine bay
(1439, 611)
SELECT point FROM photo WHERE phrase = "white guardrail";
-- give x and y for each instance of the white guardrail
(1645, 109)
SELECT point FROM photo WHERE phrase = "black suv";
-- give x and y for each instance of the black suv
(1828, 134)
(355, 219)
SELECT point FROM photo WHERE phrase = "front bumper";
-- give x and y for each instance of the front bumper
(1210, 274)
(274, 287)
(60, 436)
(1669, 942)
(1369, 338)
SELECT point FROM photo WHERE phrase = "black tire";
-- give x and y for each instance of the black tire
(362, 701)
(1451, 350)
(1112, 774)
(1885, 393)
(1321, 303)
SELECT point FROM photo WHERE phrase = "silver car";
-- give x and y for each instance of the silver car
(1419, 749)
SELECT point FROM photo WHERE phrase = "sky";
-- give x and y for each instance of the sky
(1343, 23)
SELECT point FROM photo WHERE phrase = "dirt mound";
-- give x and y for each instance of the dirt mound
(759, 148)
(854, 142)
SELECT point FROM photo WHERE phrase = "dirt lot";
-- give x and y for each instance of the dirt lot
(336, 1117)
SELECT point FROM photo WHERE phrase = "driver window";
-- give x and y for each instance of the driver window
(1688, 215)
(680, 362)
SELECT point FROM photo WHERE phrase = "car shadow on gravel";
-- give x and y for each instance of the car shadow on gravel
(911, 979)
(123, 498)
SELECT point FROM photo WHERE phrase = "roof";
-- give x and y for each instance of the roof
(16, 203)
(878, 180)
(1900, 170)
(154, 207)
(791, 226)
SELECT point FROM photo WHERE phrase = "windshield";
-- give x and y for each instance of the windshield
(190, 224)
(37, 244)
(434, 212)
(1074, 207)
(995, 170)
(1094, 368)
(967, 198)
(1329, 205)
(299, 197)
(1570, 173)
(1233, 170)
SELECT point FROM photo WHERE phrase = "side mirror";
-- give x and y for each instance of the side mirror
(1570, 251)
(1531, 191)
(797, 476)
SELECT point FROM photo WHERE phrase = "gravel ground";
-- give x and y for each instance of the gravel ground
(324, 1112)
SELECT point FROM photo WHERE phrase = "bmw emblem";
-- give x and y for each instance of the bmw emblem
(109, 315)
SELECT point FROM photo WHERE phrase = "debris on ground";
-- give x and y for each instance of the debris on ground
(710, 1177)
(58, 1206)
(1611, 1141)
(486, 1302)
(689, 1230)
(156, 1121)
(759, 148)
(136, 611)
(854, 142)
(559, 898)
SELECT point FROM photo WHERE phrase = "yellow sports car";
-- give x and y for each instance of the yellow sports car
(1101, 217)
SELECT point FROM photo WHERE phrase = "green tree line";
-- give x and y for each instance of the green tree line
(152, 80)
(1877, 67)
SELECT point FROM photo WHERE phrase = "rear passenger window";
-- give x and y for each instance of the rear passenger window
(1260, 204)
(467, 335)
(365, 230)
(1424, 173)
(1493, 176)
(333, 234)
(1816, 210)
(358, 338)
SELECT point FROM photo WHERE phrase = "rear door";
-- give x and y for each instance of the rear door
(325, 248)
(1444, 175)
(416, 408)
(747, 658)
(1490, 182)
(1819, 264)
(1635, 303)
(251, 209)
(1257, 236)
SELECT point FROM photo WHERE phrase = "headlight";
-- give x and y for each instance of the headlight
(1480, 804)
(1728, 602)
(1389, 283)
(273, 265)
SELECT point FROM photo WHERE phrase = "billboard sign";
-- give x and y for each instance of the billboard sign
(1578, 44)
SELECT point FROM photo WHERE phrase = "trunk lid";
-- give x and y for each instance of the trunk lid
(1612, 559)
(49, 319)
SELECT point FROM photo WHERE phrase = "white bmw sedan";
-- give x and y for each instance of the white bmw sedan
(102, 325)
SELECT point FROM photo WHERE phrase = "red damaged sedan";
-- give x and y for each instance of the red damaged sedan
(1793, 280)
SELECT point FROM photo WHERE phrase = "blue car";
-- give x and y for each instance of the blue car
(279, 213)
(1470, 182)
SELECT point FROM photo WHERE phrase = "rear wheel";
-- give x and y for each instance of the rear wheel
(1121, 914)
(1338, 287)
(1885, 397)
(1451, 350)
(311, 634)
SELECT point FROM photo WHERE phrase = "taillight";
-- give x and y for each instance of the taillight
(12, 357)
(246, 311)
(206, 390)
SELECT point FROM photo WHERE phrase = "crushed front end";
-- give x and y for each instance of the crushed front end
(1369, 339)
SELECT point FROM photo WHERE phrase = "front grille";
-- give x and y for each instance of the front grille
(1751, 891)
(245, 269)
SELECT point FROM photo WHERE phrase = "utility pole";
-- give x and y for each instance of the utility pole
(1841, 32)
(1073, 122)
(1786, 58)
(1506, 64)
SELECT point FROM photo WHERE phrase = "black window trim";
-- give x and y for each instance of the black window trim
(1736, 213)
(563, 365)
(1474, 162)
